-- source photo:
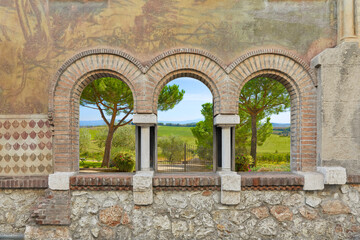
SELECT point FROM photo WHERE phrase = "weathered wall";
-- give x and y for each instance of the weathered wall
(333, 213)
(338, 71)
(37, 36)
(16, 208)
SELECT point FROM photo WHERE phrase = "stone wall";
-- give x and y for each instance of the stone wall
(333, 213)
(339, 107)
(16, 208)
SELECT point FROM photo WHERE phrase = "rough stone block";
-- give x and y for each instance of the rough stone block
(142, 188)
(333, 175)
(60, 180)
(312, 180)
(230, 188)
(47, 232)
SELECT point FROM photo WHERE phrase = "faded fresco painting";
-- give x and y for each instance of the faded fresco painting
(37, 36)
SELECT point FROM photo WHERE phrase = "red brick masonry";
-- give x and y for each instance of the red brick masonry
(28, 182)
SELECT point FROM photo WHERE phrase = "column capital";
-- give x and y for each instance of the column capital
(145, 119)
(226, 120)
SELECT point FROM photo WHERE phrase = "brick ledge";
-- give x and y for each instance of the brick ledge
(271, 179)
(187, 181)
(24, 182)
(353, 178)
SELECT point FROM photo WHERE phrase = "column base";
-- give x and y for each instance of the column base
(230, 187)
(312, 180)
(143, 188)
(60, 180)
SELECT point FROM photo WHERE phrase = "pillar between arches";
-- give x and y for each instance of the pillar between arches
(142, 180)
(230, 180)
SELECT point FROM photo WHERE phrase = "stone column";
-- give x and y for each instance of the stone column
(145, 148)
(347, 20)
(226, 148)
(230, 180)
(142, 180)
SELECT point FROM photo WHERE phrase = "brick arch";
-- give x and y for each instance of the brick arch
(300, 84)
(193, 65)
(65, 95)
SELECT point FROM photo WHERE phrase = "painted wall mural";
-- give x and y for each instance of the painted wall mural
(37, 36)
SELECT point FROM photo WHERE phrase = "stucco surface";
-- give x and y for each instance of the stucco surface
(37, 36)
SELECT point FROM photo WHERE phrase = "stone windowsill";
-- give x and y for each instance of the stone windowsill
(187, 181)
(166, 181)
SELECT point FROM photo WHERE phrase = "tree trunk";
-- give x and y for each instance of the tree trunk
(253, 138)
(108, 143)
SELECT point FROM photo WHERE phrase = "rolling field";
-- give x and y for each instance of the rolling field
(272, 144)
(275, 143)
(182, 132)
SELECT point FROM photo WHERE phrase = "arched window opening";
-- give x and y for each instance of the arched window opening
(106, 136)
(185, 132)
(263, 137)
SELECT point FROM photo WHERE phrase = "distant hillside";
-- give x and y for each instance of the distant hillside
(170, 123)
(91, 123)
(281, 125)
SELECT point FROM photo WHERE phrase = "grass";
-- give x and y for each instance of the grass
(275, 143)
(89, 164)
(271, 167)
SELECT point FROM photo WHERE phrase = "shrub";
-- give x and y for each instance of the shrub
(124, 162)
(172, 148)
(243, 162)
(273, 157)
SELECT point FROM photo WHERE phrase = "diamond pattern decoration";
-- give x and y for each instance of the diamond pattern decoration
(32, 146)
(25, 147)
(33, 157)
(23, 123)
(41, 123)
(15, 124)
(24, 157)
(33, 134)
(32, 123)
(41, 134)
(16, 157)
(16, 135)
(7, 136)
(48, 134)
(7, 125)
(16, 146)
(24, 135)
(41, 145)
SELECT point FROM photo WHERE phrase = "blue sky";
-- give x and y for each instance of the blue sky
(196, 94)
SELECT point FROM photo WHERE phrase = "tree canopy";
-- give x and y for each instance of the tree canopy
(112, 97)
(259, 98)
